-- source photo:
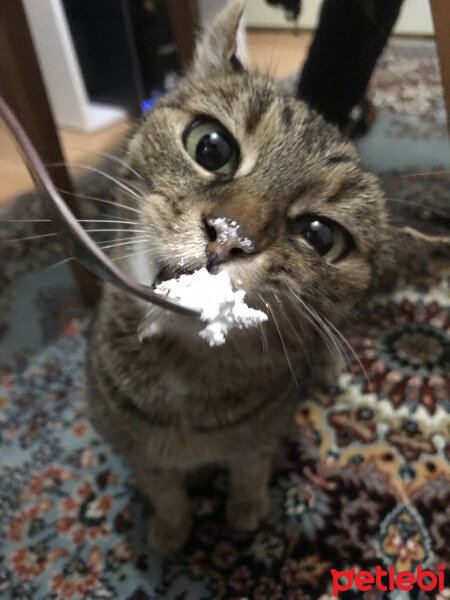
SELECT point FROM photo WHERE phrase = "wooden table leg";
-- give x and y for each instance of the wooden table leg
(184, 21)
(22, 87)
(441, 18)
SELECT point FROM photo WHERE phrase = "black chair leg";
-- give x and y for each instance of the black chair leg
(348, 41)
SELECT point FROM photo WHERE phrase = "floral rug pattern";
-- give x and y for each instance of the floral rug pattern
(407, 85)
(364, 481)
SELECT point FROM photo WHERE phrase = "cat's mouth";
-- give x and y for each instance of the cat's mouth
(168, 272)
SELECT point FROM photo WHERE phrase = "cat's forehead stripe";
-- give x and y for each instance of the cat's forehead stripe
(339, 158)
(287, 113)
(257, 107)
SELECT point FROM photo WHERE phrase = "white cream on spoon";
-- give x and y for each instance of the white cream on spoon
(220, 307)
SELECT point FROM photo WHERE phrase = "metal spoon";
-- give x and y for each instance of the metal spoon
(79, 244)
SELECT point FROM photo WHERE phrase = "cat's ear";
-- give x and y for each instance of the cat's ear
(216, 49)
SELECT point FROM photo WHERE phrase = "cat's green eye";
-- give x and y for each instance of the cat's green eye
(212, 147)
(329, 239)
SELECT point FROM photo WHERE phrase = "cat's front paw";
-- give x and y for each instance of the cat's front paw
(166, 536)
(245, 514)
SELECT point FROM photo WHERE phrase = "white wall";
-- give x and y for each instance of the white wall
(415, 18)
(61, 72)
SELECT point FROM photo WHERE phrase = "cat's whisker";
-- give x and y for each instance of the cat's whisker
(29, 237)
(115, 217)
(100, 244)
(147, 242)
(102, 200)
(123, 239)
(319, 330)
(59, 263)
(329, 326)
(294, 331)
(133, 254)
(325, 334)
(267, 304)
(123, 163)
(263, 336)
(334, 341)
(109, 221)
(300, 341)
(133, 186)
(189, 254)
(25, 220)
(117, 230)
(350, 347)
(129, 191)
(135, 241)
(89, 231)
(336, 344)
(110, 157)
(271, 67)
(305, 343)
(264, 340)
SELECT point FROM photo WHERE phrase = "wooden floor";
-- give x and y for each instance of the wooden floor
(78, 148)
(279, 52)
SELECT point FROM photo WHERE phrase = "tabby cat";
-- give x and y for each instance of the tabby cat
(226, 144)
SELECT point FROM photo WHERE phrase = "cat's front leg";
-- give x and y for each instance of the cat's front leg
(171, 521)
(248, 495)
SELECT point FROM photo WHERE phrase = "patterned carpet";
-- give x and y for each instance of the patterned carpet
(364, 482)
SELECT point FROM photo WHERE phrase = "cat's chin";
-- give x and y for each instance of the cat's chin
(222, 308)
(159, 322)
(166, 273)
(190, 333)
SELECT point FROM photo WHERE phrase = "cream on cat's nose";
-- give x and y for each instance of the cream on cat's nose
(225, 239)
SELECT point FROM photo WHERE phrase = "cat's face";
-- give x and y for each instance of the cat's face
(238, 177)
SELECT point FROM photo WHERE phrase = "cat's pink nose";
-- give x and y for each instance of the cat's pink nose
(225, 239)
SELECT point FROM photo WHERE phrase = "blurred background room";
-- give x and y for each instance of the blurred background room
(105, 62)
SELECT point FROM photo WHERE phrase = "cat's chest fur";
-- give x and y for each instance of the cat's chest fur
(177, 403)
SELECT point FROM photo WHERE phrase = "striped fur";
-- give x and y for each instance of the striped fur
(172, 404)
